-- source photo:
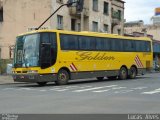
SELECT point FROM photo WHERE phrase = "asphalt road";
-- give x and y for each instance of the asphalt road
(141, 95)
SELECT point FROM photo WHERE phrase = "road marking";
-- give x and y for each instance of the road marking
(9, 89)
(94, 88)
(43, 90)
(124, 91)
(61, 90)
(55, 89)
(25, 89)
(99, 91)
(118, 88)
(72, 87)
(152, 92)
(114, 88)
(85, 87)
(139, 88)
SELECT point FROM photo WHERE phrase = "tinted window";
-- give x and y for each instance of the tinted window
(147, 46)
(129, 45)
(45, 38)
(53, 40)
(87, 43)
(140, 46)
(53, 47)
(116, 45)
(76, 42)
(48, 49)
(102, 44)
(69, 42)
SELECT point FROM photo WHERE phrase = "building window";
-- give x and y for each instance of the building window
(119, 14)
(105, 28)
(59, 22)
(1, 14)
(95, 26)
(95, 5)
(73, 24)
(106, 6)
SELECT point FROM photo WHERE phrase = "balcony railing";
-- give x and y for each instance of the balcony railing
(73, 11)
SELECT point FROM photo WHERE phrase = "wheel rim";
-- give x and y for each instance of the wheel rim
(123, 73)
(62, 76)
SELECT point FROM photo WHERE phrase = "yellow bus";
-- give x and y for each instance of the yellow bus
(59, 56)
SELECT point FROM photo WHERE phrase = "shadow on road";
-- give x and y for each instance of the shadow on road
(78, 82)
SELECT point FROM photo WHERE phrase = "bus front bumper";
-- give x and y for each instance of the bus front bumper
(34, 78)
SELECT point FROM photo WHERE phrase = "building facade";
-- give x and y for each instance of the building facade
(139, 29)
(19, 16)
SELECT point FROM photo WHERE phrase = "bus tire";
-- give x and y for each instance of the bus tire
(62, 77)
(123, 73)
(100, 78)
(41, 83)
(133, 73)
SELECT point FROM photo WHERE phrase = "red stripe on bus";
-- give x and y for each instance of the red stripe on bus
(137, 62)
(74, 66)
(140, 61)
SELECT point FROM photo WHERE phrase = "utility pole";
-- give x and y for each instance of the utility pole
(68, 4)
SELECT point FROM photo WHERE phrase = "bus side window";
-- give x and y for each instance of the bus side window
(140, 46)
(147, 46)
(129, 45)
(73, 42)
(100, 45)
(83, 43)
(115, 44)
(69, 42)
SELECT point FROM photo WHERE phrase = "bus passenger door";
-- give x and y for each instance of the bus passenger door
(45, 51)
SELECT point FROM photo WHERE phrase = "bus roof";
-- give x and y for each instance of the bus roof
(88, 33)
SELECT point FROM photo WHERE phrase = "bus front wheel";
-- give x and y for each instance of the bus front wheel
(123, 73)
(62, 77)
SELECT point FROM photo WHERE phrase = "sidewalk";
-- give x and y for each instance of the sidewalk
(6, 79)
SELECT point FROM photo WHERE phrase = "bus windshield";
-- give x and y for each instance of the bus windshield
(27, 51)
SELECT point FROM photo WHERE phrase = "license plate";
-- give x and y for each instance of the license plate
(22, 77)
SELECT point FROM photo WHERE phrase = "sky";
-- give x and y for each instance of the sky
(140, 10)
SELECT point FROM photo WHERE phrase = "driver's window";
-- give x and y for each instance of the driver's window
(45, 38)
(45, 50)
